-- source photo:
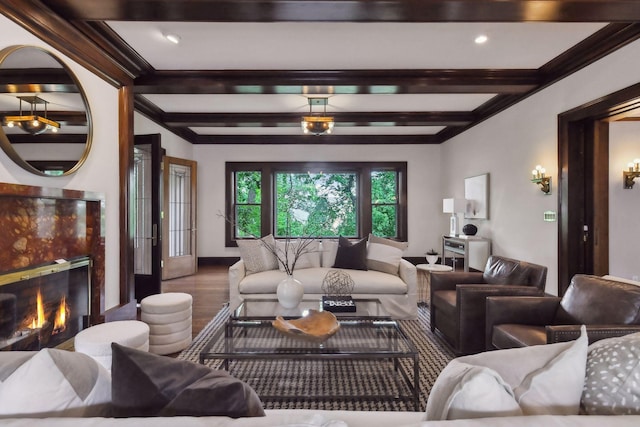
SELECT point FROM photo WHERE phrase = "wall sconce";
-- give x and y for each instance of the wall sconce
(541, 179)
(631, 174)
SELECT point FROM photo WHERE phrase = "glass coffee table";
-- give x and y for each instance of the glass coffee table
(368, 341)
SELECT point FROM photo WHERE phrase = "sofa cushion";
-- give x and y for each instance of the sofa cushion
(501, 270)
(366, 282)
(351, 255)
(310, 255)
(517, 335)
(256, 256)
(53, 382)
(582, 302)
(146, 384)
(384, 254)
(546, 379)
(612, 384)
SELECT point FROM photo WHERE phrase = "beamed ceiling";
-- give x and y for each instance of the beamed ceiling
(394, 72)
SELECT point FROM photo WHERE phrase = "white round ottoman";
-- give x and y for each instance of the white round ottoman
(95, 341)
(169, 318)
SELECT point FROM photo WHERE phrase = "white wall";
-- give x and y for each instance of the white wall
(510, 144)
(426, 222)
(624, 204)
(100, 171)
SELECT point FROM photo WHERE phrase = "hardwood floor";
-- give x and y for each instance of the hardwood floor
(209, 288)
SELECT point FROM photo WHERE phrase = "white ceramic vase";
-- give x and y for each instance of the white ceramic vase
(290, 292)
(432, 259)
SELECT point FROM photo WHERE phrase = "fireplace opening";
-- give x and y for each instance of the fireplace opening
(44, 306)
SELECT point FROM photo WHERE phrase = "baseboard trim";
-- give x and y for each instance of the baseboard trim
(218, 260)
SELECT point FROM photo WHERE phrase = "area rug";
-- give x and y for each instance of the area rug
(347, 381)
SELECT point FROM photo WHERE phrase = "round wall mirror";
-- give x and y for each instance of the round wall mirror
(46, 122)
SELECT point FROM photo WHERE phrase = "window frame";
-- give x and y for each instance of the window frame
(362, 169)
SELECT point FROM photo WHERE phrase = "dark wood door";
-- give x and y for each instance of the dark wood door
(146, 205)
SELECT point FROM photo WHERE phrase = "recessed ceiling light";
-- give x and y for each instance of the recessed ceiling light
(482, 38)
(173, 38)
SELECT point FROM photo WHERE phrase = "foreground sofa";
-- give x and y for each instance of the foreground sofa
(165, 379)
(57, 388)
(395, 286)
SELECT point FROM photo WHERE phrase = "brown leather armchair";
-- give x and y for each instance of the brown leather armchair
(458, 298)
(607, 307)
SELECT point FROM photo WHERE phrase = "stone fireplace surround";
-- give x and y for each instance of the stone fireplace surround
(41, 225)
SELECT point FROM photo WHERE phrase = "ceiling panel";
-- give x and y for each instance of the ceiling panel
(331, 45)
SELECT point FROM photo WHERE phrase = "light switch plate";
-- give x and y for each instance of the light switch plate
(550, 216)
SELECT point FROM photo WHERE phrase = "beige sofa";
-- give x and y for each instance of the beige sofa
(397, 294)
(385, 275)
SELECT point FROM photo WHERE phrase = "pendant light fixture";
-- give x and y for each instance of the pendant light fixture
(32, 123)
(317, 123)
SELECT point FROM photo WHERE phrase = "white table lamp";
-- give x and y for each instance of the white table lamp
(453, 206)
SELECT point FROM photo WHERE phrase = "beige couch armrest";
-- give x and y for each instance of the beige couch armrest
(409, 275)
(237, 272)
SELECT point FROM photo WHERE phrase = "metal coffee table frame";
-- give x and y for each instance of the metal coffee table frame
(369, 334)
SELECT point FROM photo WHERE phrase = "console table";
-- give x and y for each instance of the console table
(475, 250)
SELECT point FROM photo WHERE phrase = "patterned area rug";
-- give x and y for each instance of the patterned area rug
(338, 378)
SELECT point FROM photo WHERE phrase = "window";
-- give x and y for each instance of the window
(384, 203)
(248, 198)
(296, 199)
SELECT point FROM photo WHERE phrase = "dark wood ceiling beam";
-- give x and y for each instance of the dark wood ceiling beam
(308, 82)
(437, 118)
(597, 46)
(111, 43)
(153, 113)
(354, 10)
(47, 25)
(318, 139)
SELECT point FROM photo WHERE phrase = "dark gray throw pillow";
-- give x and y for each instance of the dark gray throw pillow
(145, 384)
(351, 255)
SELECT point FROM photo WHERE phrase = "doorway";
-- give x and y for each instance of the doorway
(146, 196)
(179, 224)
(583, 165)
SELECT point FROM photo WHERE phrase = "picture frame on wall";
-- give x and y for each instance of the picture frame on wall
(476, 191)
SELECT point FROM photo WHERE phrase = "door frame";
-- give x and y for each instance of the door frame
(583, 183)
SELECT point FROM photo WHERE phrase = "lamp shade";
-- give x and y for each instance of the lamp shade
(454, 205)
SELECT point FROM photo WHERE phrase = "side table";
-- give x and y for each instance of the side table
(424, 280)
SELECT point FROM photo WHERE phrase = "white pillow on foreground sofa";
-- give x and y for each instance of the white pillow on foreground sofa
(538, 380)
(53, 382)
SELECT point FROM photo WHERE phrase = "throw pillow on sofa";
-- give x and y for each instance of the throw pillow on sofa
(256, 256)
(146, 384)
(537, 380)
(310, 254)
(384, 254)
(612, 383)
(351, 255)
(52, 383)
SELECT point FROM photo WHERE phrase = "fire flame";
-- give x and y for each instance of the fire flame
(38, 321)
(60, 318)
(61, 315)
